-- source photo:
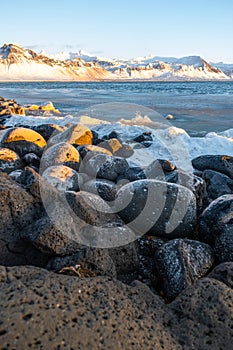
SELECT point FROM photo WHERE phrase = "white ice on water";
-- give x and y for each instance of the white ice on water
(169, 142)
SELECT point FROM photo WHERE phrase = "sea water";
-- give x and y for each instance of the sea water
(202, 111)
(197, 107)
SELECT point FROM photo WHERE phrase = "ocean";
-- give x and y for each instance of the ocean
(197, 107)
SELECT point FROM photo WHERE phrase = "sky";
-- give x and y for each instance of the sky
(123, 28)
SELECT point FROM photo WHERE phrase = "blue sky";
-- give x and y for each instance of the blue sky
(126, 28)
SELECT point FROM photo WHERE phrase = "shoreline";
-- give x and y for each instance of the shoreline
(79, 247)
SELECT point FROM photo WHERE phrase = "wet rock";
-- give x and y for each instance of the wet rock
(14, 175)
(48, 130)
(118, 148)
(91, 209)
(31, 159)
(62, 153)
(144, 137)
(223, 245)
(96, 260)
(195, 183)
(63, 178)
(179, 263)
(50, 239)
(214, 219)
(23, 140)
(75, 135)
(223, 273)
(88, 151)
(221, 163)
(9, 160)
(104, 188)
(217, 184)
(106, 167)
(157, 208)
(146, 248)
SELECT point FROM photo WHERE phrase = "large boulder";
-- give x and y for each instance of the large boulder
(9, 160)
(179, 263)
(62, 153)
(106, 189)
(48, 130)
(217, 216)
(221, 163)
(63, 178)
(94, 313)
(23, 140)
(223, 273)
(106, 167)
(17, 210)
(203, 316)
(75, 135)
(49, 239)
(218, 184)
(157, 208)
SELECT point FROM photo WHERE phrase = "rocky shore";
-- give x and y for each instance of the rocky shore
(100, 253)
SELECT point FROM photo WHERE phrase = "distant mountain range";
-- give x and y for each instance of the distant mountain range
(21, 64)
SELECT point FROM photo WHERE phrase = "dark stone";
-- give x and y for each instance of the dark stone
(91, 209)
(195, 183)
(125, 259)
(215, 217)
(17, 211)
(217, 184)
(90, 313)
(50, 239)
(47, 130)
(221, 163)
(179, 263)
(9, 160)
(145, 136)
(203, 316)
(31, 159)
(106, 167)
(223, 273)
(223, 245)
(96, 260)
(104, 188)
(132, 174)
(157, 208)
(24, 147)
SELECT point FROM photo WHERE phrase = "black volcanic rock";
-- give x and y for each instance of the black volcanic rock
(90, 313)
(179, 263)
(157, 208)
(106, 167)
(218, 184)
(217, 216)
(221, 163)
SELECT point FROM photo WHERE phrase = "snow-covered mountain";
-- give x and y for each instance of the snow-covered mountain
(154, 67)
(18, 63)
(226, 68)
